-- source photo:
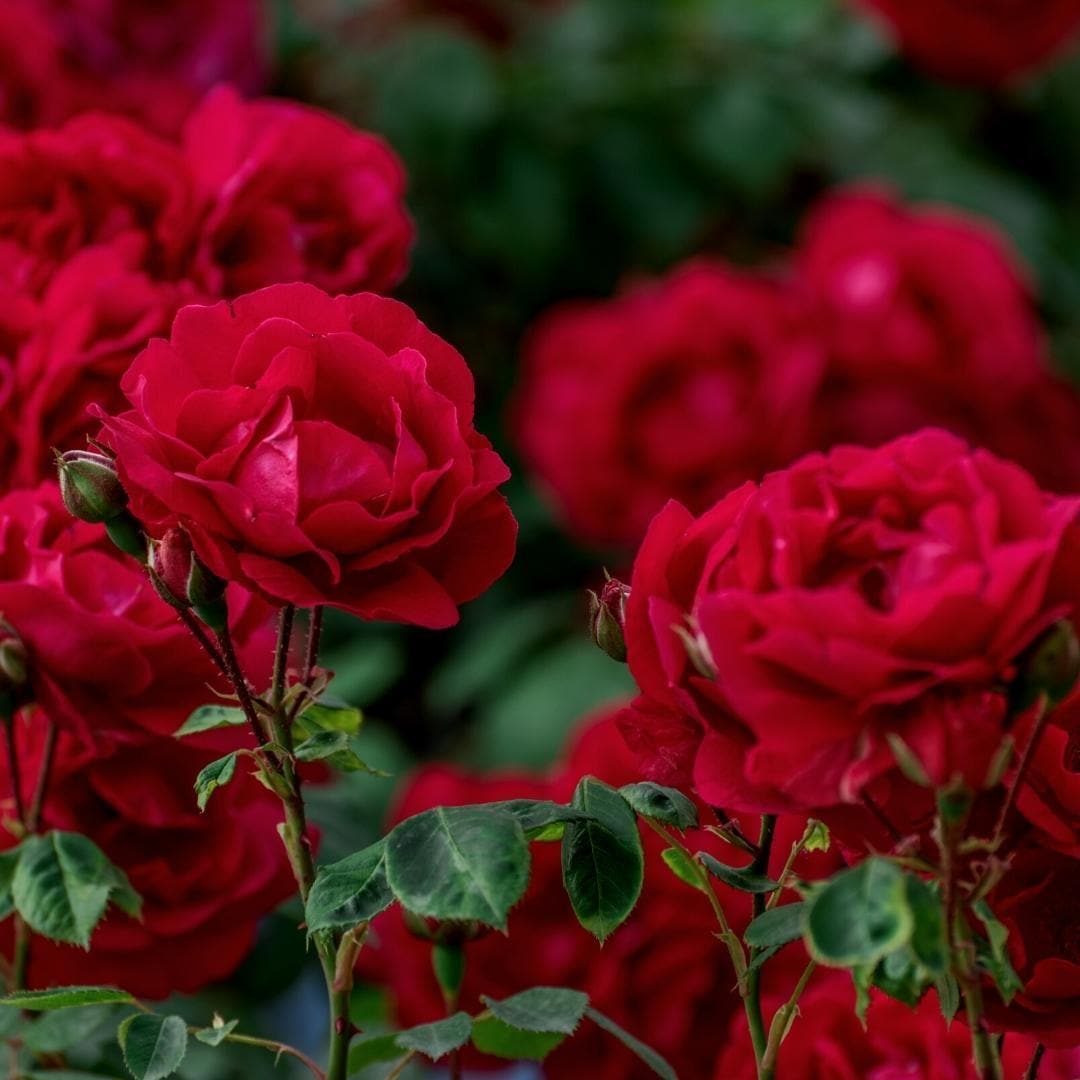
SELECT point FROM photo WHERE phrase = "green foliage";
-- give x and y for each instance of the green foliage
(437, 1039)
(328, 714)
(212, 776)
(492, 1036)
(685, 868)
(346, 893)
(542, 1009)
(210, 717)
(459, 862)
(777, 926)
(66, 997)
(602, 858)
(993, 955)
(373, 1049)
(664, 804)
(9, 859)
(62, 884)
(540, 818)
(154, 1046)
(743, 879)
(217, 1033)
(335, 748)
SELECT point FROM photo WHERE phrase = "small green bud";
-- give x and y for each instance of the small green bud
(607, 618)
(1050, 666)
(90, 486)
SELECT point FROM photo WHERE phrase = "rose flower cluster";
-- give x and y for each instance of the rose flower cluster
(887, 319)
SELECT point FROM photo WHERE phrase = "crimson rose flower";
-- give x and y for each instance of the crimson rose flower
(293, 194)
(980, 41)
(662, 974)
(105, 653)
(320, 451)
(206, 879)
(783, 634)
(681, 388)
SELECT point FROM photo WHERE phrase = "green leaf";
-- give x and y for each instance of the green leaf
(63, 883)
(328, 714)
(602, 858)
(9, 859)
(86, 1030)
(740, 878)
(437, 1039)
(209, 717)
(212, 776)
(350, 891)
(862, 975)
(154, 1046)
(993, 955)
(685, 868)
(664, 804)
(761, 956)
(901, 976)
(540, 818)
(459, 862)
(66, 997)
(948, 992)
(217, 1033)
(372, 1050)
(860, 915)
(816, 837)
(335, 748)
(66, 1074)
(646, 1053)
(541, 1009)
(492, 1036)
(928, 940)
(777, 926)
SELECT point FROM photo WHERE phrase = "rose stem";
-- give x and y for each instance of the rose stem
(236, 677)
(1032, 1071)
(1041, 719)
(314, 638)
(760, 865)
(780, 1023)
(201, 636)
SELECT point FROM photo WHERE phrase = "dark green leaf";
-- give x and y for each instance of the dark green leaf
(328, 714)
(542, 1009)
(928, 941)
(350, 891)
(437, 1039)
(373, 1049)
(860, 915)
(63, 882)
(9, 859)
(645, 1053)
(540, 818)
(66, 997)
(212, 776)
(993, 955)
(154, 1046)
(738, 878)
(492, 1036)
(72, 1029)
(217, 1033)
(684, 867)
(664, 804)
(777, 926)
(762, 956)
(335, 748)
(209, 717)
(459, 862)
(948, 992)
(602, 858)
(901, 976)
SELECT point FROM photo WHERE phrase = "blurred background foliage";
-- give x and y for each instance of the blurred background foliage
(566, 148)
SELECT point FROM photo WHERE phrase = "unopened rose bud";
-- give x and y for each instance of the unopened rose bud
(182, 579)
(90, 486)
(12, 658)
(607, 618)
(1051, 667)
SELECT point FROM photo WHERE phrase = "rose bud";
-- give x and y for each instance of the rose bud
(607, 618)
(1050, 666)
(90, 486)
(181, 578)
(12, 670)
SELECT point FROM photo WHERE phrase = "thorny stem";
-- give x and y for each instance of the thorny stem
(203, 638)
(14, 771)
(37, 802)
(276, 1048)
(314, 637)
(236, 677)
(754, 1017)
(767, 1069)
(281, 656)
(1032, 1071)
(1042, 717)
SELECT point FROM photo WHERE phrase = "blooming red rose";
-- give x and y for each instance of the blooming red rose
(681, 388)
(206, 879)
(293, 194)
(662, 975)
(980, 41)
(105, 653)
(827, 1042)
(320, 451)
(795, 624)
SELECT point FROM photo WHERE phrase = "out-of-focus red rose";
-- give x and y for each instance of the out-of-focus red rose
(320, 451)
(795, 624)
(986, 42)
(206, 879)
(141, 58)
(827, 1042)
(105, 653)
(293, 194)
(681, 388)
(662, 975)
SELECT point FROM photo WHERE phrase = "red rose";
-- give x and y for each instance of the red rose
(827, 1042)
(662, 975)
(855, 594)
(105, 653)
(294, 194)
(206, 879)
(319, 450)
(681, 388)
(985, 42)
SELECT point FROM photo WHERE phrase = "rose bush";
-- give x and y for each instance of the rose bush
(235, 419)
(795, 625)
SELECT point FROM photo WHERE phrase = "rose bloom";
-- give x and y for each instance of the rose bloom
(293, 194)
(662, 974)
(984, 42)
(206, 879)
(105, 653)
(827, 1042)
(320, 451)
(681, 388)
(781, 636)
